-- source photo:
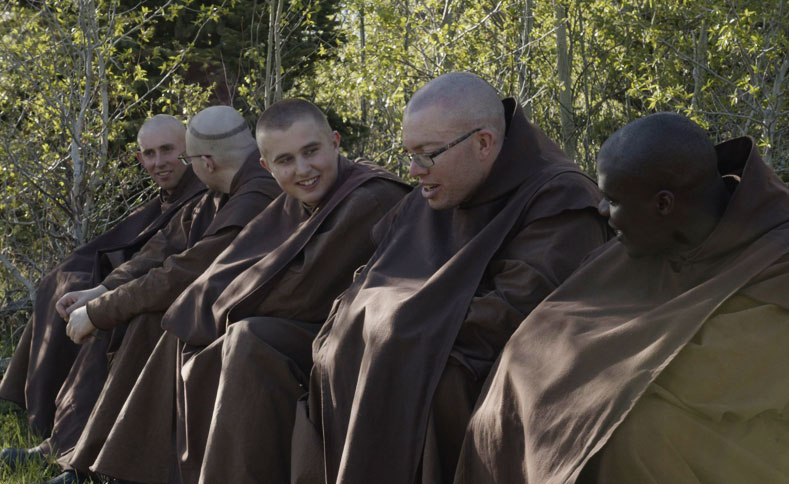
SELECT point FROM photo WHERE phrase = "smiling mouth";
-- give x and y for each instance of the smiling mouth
(309, 182)
(163, 173)
(429, 186)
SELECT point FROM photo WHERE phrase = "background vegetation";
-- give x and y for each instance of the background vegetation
(78, 77)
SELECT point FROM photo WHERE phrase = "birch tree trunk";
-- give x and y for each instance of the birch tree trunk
(524, 72)
(564, 64)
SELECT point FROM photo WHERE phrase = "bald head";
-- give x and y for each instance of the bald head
(465, 100)
(666, 150)
(161, 141)
(218, 142)
(455, 127)
(159, 123)
(220, 131)
(662, 190)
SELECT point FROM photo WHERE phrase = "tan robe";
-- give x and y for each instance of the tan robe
(44, 355)
(291, 262)
(399, 362)
(674, 368)
(146, 285)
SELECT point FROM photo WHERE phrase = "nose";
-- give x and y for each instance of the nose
(159, 158)
(603, 207)
(302, 166)
(416, 170)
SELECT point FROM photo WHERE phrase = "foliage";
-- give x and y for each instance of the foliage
(77, 78)
(724, 63)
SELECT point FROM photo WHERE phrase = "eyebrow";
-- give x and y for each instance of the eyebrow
(311, 144)
(166, 145)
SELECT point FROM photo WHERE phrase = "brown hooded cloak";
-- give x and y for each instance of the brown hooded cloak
(398, 363)
(619, 345)
(142, 288)
(289, 264)
(45, 354)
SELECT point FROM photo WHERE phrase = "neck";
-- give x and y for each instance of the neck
(705, 218)
(225, 180)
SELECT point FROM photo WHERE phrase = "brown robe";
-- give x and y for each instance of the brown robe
(580, 363)
(146, 285)
(399, 362)
(292, 262)
(45, 354)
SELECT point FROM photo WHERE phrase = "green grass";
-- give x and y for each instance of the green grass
(15, 432)
(14, 429)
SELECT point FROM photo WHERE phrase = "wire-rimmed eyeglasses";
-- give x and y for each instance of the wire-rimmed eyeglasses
(426, 160)
(187, 159)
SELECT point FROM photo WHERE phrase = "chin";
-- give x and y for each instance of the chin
(638, 252)
(440, 204)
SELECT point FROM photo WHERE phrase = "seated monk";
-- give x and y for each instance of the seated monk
(237, 348)
(45, 354)
(500, 219)
(663, 358)
(129, 303)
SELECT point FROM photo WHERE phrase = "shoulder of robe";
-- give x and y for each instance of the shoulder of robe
(153, 204)
(382, 191)
(772, 285)
(571, 190)
(392, 216)
(264, 185)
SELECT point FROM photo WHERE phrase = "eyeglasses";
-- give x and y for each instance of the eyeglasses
(426, 160)
(186, 159)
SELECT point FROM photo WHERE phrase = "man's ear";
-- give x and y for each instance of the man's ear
(139, 156)
(209, 163)
(664, 202)
(264, 165)
(335, 140)
(485, 139)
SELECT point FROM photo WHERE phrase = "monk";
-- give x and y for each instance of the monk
(500, 219)
(237, 342)
(44, 355)
(129, 303)
(663, 358)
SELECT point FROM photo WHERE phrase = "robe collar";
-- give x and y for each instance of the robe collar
(759, 202)
(525, 152)
(187, 180)
(246, 172)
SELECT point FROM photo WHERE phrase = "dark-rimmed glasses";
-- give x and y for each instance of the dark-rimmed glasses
(426, 160)
(187, 159)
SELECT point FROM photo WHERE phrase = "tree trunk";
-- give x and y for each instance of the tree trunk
(524, 73)
(565, 82)
(700, 57)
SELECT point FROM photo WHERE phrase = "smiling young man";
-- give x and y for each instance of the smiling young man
(238, 340)
(302, 158)
(161, 140)
(44, 355)
(499, 219)
(663, 358)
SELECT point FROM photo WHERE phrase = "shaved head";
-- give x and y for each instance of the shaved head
(662, 190)
(456, 123)
(464, 98)
(282, 114)
(161, 122)
(219, 131)
(665, 150)
(218, 142)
